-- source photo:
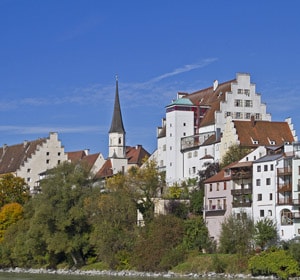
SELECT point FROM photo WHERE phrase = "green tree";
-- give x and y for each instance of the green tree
(265, 233)
(59, 220)
(113, 217)
(13, 189)
(196, 201)
(196, 235)
(236, 235)
(234, 153)
(156, 241)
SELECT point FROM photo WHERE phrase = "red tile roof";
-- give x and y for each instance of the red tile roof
(220, 176)
(106, 170)
(12, 157)
(263, 132)
(135, 155)
(209, 97)
(76, 156)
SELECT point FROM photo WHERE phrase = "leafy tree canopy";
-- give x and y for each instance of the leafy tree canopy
(234, 153)
(13, 189)
(265, 233)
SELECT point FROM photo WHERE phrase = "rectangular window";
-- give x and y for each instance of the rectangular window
(218, 185)
(257, 116)
(271, 167)
(258, 168)
(271, 196)
(248, 116)
(259, 197)
(247, 92)
(238, 115)
(258, 182)
(238, 103)
(262, 213)
(47, 161)
(210, 187)
(265, 167)
(268, 181)
(298, 170)
(240, 91)
(164, 147)
(225, 186)
(248, 103)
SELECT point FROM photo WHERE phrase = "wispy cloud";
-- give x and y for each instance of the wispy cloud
(45, 129)
(185, 68)
(147, 92)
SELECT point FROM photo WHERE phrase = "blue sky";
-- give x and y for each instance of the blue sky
(59, 59)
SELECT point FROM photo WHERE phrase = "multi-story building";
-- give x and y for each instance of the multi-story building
(31, 158)
(191, 130)
(264, 184)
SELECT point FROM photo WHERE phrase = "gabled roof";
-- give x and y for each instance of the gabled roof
(76, 156)
(261, 133)
(220, 176)
(135, 155)
(210, 98)
(90, 160)
(106, 170)
(12, 157)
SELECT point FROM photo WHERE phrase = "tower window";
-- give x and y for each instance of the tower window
(120, 140)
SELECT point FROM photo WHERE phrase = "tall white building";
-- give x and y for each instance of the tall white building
(191, 130)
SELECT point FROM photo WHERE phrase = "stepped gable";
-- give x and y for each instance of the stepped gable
(263, 133)
(12, 157)
(135, 155)
(210, 98)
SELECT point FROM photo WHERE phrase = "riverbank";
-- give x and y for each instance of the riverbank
(131, 274)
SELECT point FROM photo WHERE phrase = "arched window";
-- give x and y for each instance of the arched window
(286, 217)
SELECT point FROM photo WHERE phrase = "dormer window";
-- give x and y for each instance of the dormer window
(272, 142)
(255, 142)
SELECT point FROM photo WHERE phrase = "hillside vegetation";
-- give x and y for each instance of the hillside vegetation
(73, 223)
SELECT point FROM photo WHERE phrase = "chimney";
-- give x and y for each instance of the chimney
(215, 85)
(252, 121)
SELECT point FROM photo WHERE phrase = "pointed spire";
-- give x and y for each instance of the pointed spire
(117, 122)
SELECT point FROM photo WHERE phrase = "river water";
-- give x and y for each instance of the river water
(28, 276)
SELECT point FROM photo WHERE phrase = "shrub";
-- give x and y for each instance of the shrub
(278, 263)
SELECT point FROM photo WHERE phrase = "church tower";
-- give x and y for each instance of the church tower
(117, 133)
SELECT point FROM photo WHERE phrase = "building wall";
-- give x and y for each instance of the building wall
(241, 102)
(264, 190)
(47, 156)
(217, 206)
(178, 124)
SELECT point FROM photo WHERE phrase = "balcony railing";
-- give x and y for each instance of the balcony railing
(241, 175)
(286, 187)
(284, 171)
(215, 208)
(241, 191)
(296, 202)
(285, 201)
(296, 215)
(236, 204)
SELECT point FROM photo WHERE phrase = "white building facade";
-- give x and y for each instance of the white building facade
(191, 130)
